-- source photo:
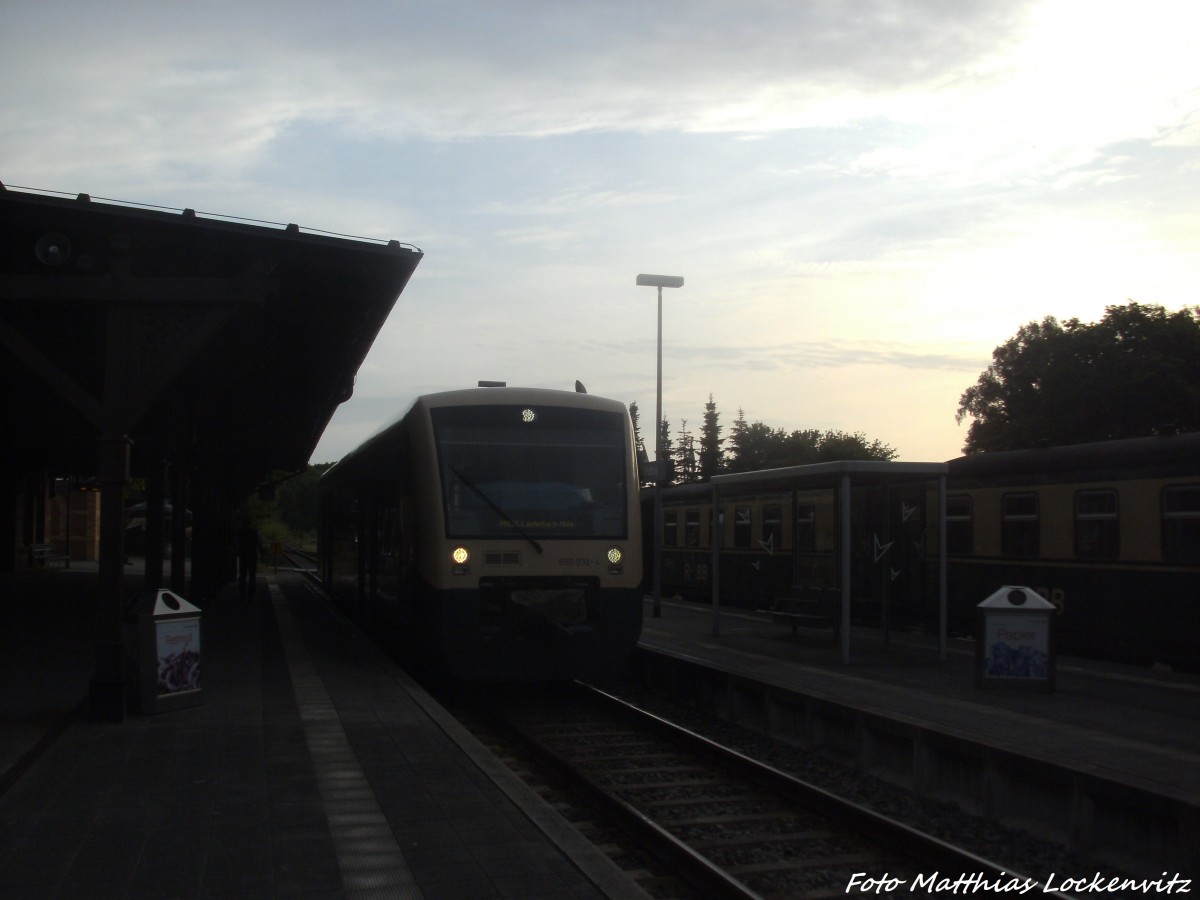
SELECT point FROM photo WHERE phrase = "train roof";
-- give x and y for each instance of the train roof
(1175, 454)
(859, 471)
(499, 396)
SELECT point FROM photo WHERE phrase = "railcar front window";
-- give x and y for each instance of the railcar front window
(536, 472)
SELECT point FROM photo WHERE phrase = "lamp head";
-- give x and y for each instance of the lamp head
(670, 281)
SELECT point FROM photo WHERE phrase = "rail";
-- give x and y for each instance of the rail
(729, 825)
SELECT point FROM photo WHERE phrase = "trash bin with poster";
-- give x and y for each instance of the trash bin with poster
(1015, 641)
(169, 653)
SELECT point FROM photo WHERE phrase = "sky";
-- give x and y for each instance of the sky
(864, 197)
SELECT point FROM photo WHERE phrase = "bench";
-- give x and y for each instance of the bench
(807, 607)
(43, 555)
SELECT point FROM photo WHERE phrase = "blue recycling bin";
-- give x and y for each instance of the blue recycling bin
(169, 630)
(1015, 641)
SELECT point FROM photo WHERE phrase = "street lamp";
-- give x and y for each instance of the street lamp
(660, 282)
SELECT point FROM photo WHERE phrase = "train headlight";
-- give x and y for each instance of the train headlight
(614, 555)
(461, 556)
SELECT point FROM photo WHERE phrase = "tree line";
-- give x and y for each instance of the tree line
(751, 446)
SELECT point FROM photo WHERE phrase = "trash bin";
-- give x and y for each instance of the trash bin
(169, 653)
(1015, 641)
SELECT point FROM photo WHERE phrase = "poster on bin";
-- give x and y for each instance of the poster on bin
(1016, 646)
(178, 655)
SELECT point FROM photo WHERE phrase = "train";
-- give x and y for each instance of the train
(1109, 532)
(492, 534)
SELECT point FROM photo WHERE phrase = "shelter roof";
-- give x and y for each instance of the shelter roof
(222, 343)
(831, 473)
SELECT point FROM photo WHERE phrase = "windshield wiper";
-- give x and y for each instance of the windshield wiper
(494, 507)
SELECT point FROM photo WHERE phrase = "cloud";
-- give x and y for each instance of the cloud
(461, 70)
(881, 190)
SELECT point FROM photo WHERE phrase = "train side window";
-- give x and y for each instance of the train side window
(691, 528)
(806, 527)
(960, 525)
(772, 526)
(1181, 524)
(1020, 534)
(742, 527)
(671, 529)
(1097, 526)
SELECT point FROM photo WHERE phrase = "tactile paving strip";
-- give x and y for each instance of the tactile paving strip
(371, 861)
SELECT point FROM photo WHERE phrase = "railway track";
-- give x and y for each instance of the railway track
(715, 820)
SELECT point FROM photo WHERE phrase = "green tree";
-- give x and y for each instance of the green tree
(298, 500)
(635, 418)
(1134, 373)
(737, 438)
(761, 447)
(667, 447)
(638, 441)
(685, 455)
(712, 459)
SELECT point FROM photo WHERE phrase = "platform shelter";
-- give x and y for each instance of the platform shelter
(881, 512)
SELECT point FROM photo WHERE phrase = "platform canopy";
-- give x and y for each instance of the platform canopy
(223, 345)
(134, 341)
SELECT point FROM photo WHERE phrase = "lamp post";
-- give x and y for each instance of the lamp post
(660, 282)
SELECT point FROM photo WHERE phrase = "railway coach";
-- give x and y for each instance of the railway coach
(492, 534)
(1109, 532)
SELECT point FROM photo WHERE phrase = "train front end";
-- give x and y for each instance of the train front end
(530, 553)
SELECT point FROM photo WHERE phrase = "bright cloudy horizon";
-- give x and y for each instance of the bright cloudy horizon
(864, 199)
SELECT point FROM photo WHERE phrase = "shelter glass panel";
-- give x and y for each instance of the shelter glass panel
(743, 527)
(691, 528)
(773, 526)
(960, 525)
(806, 526)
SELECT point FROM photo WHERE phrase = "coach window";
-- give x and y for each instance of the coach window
(1097, 526)
(742, 524)
(691, 528)
(772, 527)
(671, 529)
(1181, 523)
(1020, 526)
(960, 526)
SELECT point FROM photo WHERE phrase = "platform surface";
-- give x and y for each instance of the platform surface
(1134, 725)
(312, 767)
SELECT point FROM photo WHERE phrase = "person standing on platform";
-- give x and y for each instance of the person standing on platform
(249, 546)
